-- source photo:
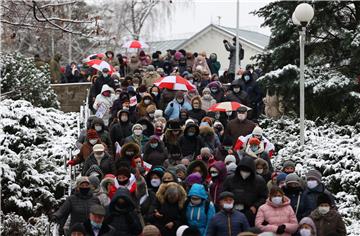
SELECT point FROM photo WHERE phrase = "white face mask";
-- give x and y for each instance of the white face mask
(138, 132)
(323, 210)
(276, 200)
(93, 141)
(105, 74)
(312, 184)
(241, 116)
(147, 101)
(155, 93)
(236, 90)
(305, 232)
(229, 113)
(195, 202)
(228, 206)
(155, 182)
(244, 174)
(207, 96)
(196, 106)
(124, 118)
(259, 171)
(215, 174)
(97, 156)
(98, 127)
(151, 115)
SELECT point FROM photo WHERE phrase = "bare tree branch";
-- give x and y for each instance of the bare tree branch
(57, 4)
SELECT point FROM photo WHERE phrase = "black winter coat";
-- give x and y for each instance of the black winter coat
(197, 114)
(106, 164)
(155, 156)
(106, 230)
(191, 145)
(119, 131)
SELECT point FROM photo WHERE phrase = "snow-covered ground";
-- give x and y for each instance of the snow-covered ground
(34, 141)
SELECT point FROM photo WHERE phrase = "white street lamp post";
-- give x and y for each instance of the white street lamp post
(237, 59)
(302, 16)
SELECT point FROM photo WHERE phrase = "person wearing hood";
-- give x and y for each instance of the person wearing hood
(121, 129)
(110, 58)
(172, 110)
(216, 91)
(215, 64)
(196, 113)
(228, 221)
(307, 227)
(240, 126)
(103, 103)
(237, 94)
(105, 185)
(172, 135)
(262, 169)
(100, 158)
(101, 129)
(210, 139)
(207, 100)
(146, 101)
(77, 205)
(201, 61)
(129, 151)
(254, 93)
(155, 152)
(218, 175)
(198, 166)
(154, 178)
(199, 210)
(148, 127)
(315, 187)
(249, 188)
(326, 218)
(137, 136)
(191, 143)
(103, 79)
(118, 103)
(122, 215)
(184, 116)
(293, 189)
(168, 213)
(277, 215)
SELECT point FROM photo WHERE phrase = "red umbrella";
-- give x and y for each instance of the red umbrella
(175, 83)
(94, 56)
(100, 65)
(226, 106)
(135, 44)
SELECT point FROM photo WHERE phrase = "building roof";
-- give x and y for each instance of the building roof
(165, 45)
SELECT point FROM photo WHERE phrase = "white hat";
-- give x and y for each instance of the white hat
(188, 121)
(232, 167)
(137, 125)
(181, 229)
(257, 131)
(230, 158)
(98, 148)
(158, 113)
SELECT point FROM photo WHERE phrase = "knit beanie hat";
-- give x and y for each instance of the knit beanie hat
(180, 167)
(158, 113)
(82, 179)
(288, 163)
(137, 125)
(281, 177)
(94, 181)
(125, 171)
(314, 174)
(230, 158)
(78, 228)
(323, 198)
(194, 178)
(91, 134)
(151, 230)
(257, 131)
(292, 178)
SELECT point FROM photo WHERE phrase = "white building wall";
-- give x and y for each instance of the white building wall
(212, 42)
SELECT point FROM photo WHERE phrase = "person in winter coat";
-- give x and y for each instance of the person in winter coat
(224, 149)
(154, 178)
(191, 143)
(209, 138)
(228, 221)
(95, 224)
(122, 215)
(249, 188)
(277, 215)
(240, 126)
(87, 148)
(155, 152)
(206, 156)
(137, 137)
(218, 175)
(103, 194)
(207, 100)
(55, 70)
(146, 101)
(294, 191)
(237, 94)
(171, 140)
(103, 79)
(172, 110)
(100, 158)
(199, 210)
(133, 65)
(196, 113)
(148, 127)
(129, 151)
(121, 129)
(254, 93)
(168, 212)
(103, 103)
(150, 76)
(307, 227)
(326, 218)
(262, 169)
(215, 64)
(99, 125)
(198, 166)
(255, 149)
(72, 73)
(314, 188)
(201, 61)
(216, 91)
(77, 205)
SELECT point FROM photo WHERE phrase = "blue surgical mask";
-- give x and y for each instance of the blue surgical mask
(254, 148)
(246, 77)
(96, 225)
(154, 145)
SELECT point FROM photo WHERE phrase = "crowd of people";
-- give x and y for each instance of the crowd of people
(155, 161)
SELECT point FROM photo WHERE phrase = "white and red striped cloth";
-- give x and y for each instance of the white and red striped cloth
(242, 141)
(175, 83)
(226, 106)
(100, 65)
(135, 44)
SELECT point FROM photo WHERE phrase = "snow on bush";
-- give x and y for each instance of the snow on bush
(22, 80)
(333, 150)
(33, 143)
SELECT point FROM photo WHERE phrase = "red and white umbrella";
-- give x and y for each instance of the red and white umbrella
(94, 56)
(100, 65)
(135, 44)
(175, 83)
(226, 106)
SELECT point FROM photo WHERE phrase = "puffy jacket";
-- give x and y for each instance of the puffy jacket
(105, 101)
(191, 145)
(311, 195)
(196, 215)
(331, 222)
(226, 223)
(106, 164)
(276, 216)
(172, 110)
(155, 156)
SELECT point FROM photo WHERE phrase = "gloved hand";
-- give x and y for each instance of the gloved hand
(264, 223)
(71, 163)
(281, 229)
(172, 104)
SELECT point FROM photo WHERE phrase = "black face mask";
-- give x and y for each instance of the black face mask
(294, 190)
(123, 182)
(84, 191)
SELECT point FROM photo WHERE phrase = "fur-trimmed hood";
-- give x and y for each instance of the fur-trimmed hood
(206, 131)
(130, 146)
(202, 165)
(198, 98)
(160, 194)
(263, 163)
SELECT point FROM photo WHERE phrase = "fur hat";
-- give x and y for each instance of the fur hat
(323, 198)
(98, 148)
(158, 113)
(230, 158)
(151, 109)
(288, 163)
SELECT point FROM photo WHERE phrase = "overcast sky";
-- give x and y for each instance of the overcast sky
(189, 18)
